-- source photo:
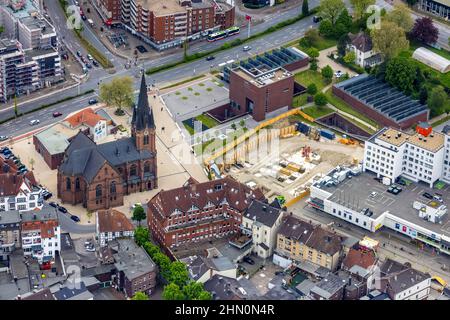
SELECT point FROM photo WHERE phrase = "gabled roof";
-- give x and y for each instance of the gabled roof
(142, 113)
(113, 221)
(10, 181)
(236, 194)
(361, 41)
(263, 213)
(86, 116)
(363, 258)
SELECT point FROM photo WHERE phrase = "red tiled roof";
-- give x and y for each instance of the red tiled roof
(238, 196)
(47, 228)
(87, 116)
(10, 182)
(113, 221)
(362, 258)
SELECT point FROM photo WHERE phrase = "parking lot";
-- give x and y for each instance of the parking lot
(364, 191)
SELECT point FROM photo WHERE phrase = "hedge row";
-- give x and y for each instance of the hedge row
(231, 44)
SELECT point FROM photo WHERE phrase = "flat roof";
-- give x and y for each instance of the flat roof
(56, 138)
(355, 193)
(263, 80)
(382, 97)
(162, 8)
(433, 142)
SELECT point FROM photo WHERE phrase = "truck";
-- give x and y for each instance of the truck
(327, 134)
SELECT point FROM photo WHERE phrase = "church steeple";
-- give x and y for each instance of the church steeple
(142, 113)
(143, 123)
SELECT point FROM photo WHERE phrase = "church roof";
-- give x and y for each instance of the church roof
(142, 113)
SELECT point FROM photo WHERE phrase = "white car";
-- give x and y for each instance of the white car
(338, 74)
(90, 57)
(34, 122)
(90, 249)
(246, 48)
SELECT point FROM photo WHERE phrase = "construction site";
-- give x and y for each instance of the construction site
(284, 159)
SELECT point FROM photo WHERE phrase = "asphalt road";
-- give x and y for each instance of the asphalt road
(68, 225)
(97, 75)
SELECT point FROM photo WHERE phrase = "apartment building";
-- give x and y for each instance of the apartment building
(41, 234)
(199, 211)
(9, 233)
(439, 8)
(262, 222)
(167, 22)
(112, 224)
(300, 241)
(419, 157)
(18, 191)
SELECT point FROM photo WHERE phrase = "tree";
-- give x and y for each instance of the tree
(242, 123)
(326, 28)
(343, 24)
(313, 65)
(400, 73)
(139, 214)
(141, 235)
(327, 73)
(312, 36)
(313, 53)
(172, 292)
(401, 17)
(204, 295)
(360, 7)
(331, 9)
(320, 99)
(423, 95)
(178, 274)
(233, 126)
(343, 41)
(425, 31)
(312, 89)
(436, 100)
(163, 262)
(419, 79)
(192, 290)
(140, 296)
(350, 57)
(389, 40)
(151, 249)
(119, 93)
(305, 8)
(31, 161)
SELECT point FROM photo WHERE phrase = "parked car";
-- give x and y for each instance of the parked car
(246, 48)
(53, 204)
(88, 65)
(209, 58)
(34, 122)
(317, 19)
(79, 54)
(57, 114)
(75, 218)
(93, 101)
(438, 198)
(88, 249)
(4, 149)
(3, 138)
(47, 195)
(95, 63)
(427, 195)
(90, 57)
(62, 209)
(338, 74)
(249, 260)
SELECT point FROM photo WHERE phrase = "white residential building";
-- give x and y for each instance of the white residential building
(262, 222)
(41, 234)
(391, 153)
(112, 224)
(361, 45)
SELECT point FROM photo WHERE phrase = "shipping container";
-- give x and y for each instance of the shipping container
(303, 128)
(327, 134)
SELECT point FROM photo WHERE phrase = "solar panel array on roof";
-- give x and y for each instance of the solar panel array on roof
(265, 62)
(382, 97)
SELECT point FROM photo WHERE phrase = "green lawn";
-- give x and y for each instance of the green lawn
(341, 105)
(317, 112)
(207, 120)
(445, 119)
(300, 100)
(308, 77)
(321, 44)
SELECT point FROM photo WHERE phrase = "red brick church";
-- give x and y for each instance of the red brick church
(98, 176)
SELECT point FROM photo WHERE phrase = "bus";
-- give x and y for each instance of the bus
(223, 34)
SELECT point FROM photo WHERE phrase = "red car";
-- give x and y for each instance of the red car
(57, 114)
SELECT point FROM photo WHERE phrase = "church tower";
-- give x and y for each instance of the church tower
(143, 123)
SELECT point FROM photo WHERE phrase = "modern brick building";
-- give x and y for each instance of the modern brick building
(260, 93)
(98, 176)
(381, 102)
(199, 211)
(166, 21)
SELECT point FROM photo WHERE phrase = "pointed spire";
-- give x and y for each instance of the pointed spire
(142, 113)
